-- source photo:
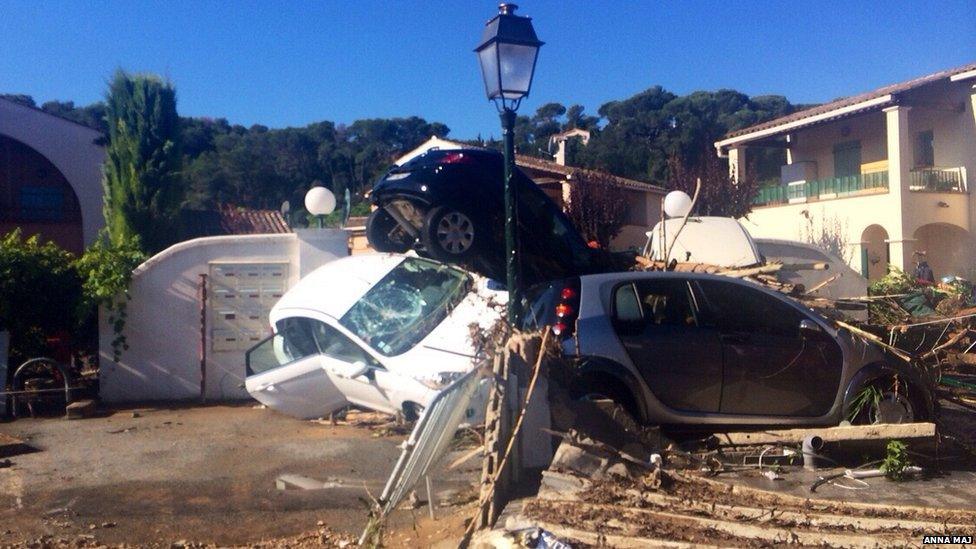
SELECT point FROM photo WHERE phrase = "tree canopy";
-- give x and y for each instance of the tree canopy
(143, 186)
(261, 167)
(633, 137)
(642, 132)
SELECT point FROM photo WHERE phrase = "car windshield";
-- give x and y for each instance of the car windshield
(406, 305)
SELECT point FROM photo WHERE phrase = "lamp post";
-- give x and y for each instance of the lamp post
(507, 54)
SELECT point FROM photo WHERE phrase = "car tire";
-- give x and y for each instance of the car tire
(902, 406)
(452, 234)
(385, 234)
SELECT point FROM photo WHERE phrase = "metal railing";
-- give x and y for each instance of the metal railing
(945, 180)
(771, 195)
(831, 187)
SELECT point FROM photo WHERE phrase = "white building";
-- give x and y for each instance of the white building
(888, 170)
(50, 176)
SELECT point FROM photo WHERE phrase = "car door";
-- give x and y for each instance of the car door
(680, 360)
(355, 372)
(284, 372)
(769, 368)
(309, 369)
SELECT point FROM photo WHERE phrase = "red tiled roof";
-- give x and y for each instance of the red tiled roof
(533, 163)
(892, 89)
(234, 220)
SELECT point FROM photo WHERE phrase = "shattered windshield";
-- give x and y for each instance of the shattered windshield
(406, 305)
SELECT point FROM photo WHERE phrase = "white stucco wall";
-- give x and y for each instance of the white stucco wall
(816, 144)
(644, 212)
(163, 325)
(944, 108)
(71, 148)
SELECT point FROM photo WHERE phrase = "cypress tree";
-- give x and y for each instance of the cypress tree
(143, 187)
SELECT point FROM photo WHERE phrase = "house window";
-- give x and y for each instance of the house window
(924, 151)
(847, 159)
(41, 203)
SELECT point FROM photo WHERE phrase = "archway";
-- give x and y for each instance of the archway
(874, 252)
(36, 196)
(949, 250)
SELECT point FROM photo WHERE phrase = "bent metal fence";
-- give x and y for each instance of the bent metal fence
(429, 441)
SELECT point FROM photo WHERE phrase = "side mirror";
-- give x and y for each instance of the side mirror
(810, 329)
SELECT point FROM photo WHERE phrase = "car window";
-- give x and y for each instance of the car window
(539, 305)
(655, 303)
(332, 343)
(666, 302)
(301, 337)
(297, 340)
(627, 306)
(406, 305)
(735, 307)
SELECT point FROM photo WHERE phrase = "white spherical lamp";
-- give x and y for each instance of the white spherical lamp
(677, 204)
(320, 201)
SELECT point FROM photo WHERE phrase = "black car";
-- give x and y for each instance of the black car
(695, 349)
(449, 206)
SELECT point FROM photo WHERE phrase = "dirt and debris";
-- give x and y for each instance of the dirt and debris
(604, 498)
(204, 476)
(378, 423)
(614, 482)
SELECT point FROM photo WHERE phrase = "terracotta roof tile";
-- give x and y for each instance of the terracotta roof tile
(532, 163)
(892, 89)
(234, 220)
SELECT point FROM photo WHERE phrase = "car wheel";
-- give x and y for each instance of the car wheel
(893, 408)
(385, 234)
(886, 400)
(451, 233)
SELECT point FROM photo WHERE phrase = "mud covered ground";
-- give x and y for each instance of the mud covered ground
(199, 476)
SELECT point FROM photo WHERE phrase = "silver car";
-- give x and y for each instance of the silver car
(681, 348)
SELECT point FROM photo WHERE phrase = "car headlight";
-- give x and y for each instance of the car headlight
(439, 380)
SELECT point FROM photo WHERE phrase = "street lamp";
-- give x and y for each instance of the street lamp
(320, 202)
(507, 53)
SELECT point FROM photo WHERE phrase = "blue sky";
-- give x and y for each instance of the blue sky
(289, 63)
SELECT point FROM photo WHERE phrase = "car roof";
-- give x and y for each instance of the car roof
(633, 275)
(714, 240)
(335, 287)
(434, 155)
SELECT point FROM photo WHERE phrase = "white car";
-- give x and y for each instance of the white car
(713, 240)
(385, 332)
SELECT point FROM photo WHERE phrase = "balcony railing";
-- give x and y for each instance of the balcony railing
(819, 189)
(943, 180)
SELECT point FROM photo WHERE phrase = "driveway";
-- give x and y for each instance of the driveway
(207, 474)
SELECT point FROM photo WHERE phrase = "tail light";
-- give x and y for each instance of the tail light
(455, 158)
(567, 309)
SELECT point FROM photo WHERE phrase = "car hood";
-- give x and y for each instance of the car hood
(336, 286)
(453, 335)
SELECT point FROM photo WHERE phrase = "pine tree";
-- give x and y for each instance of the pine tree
(143, 186)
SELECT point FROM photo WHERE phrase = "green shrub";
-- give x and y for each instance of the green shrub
(45, 291)
(106, 270)
(40, 292)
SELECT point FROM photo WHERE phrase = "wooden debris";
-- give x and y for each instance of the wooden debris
(832, 434)
(822, 284)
